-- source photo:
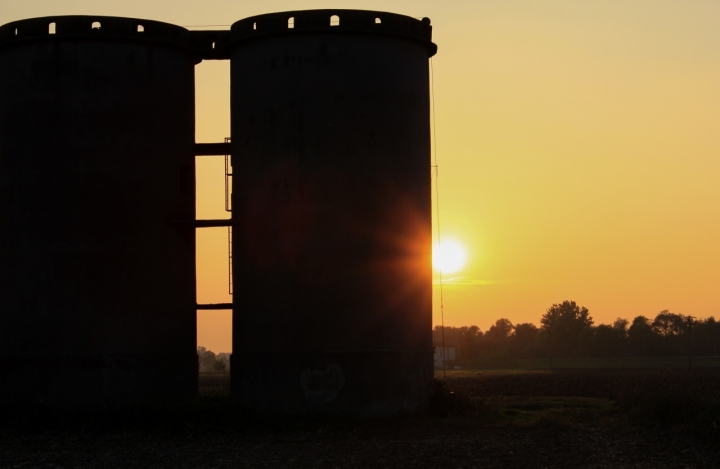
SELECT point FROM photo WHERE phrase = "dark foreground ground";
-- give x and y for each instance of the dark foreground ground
(485, 420)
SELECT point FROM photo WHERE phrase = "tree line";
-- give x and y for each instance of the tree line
(568, 330)
(210, 361)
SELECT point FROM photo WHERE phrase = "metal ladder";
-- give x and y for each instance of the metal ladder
(228, 208)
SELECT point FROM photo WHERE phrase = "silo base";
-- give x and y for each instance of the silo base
(367, 384)
(97, 382)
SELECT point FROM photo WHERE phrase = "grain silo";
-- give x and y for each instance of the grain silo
(331, 212)
(97, 278)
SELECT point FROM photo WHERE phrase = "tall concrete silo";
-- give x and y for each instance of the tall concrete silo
(331, 212)
(97, 282)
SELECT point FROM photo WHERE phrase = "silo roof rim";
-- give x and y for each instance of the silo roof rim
(83, 24)
(350, 21)
(112, 28)
(215, 44)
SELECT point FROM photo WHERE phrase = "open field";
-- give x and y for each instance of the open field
(480, 419)
(620, 362)
(214, 383)
(604, 363)
(657, 396)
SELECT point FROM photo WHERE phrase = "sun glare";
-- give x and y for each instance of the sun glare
(449, 257)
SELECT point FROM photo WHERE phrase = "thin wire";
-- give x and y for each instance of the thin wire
(437, 217)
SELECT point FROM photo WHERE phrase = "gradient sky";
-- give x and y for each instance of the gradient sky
(578, 146)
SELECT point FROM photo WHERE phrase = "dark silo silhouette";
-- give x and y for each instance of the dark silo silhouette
(97, 282)
(331, 221)
(331, 212)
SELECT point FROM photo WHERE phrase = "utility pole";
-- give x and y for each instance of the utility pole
(690, 320)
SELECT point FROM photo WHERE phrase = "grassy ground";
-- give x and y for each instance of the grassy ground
(482, 419)
(669, 397)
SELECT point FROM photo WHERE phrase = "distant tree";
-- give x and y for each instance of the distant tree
(501, 330)
(225, 357)
(602, 341)
(670, 329)
(206, 359)
(668, 324)
(706, 335)
(640, 335)
(621, 325)
(219, 365)
(469, 347)
(700, 337)
(565, 323)
(494, 343)
(524, 337)
(713, 334)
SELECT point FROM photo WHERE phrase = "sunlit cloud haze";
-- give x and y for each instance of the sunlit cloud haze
(577, 143)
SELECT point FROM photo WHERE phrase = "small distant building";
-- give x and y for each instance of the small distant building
(446, 354)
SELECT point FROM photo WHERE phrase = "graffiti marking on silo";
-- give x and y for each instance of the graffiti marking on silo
(321, 386)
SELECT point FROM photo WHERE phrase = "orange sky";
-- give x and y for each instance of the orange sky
(577, 141)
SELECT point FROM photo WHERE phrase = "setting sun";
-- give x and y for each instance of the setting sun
(449, 257)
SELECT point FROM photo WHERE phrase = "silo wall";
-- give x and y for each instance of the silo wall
(97, 282)
(331, 213)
